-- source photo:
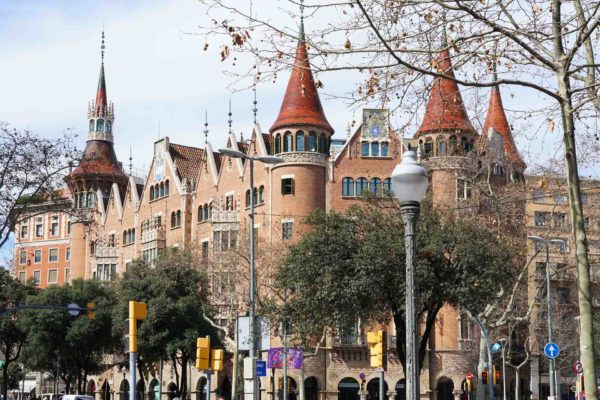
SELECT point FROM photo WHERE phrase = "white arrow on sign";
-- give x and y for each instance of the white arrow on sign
(551, 350)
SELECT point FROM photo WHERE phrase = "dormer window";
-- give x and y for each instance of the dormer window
(100, 125)
(312, 141)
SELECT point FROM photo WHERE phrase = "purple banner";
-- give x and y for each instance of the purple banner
(276, 354)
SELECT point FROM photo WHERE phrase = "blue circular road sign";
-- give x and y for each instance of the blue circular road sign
(551, 350)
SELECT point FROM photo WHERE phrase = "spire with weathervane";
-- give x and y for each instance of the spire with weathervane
(101, 112)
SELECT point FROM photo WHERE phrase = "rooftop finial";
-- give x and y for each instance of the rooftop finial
(301, 21)
(130, 160)
(229, 121)
(102, 46)
(205, 127)
(254, 103)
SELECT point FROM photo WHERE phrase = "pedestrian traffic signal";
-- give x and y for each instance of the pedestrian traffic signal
(484, 377)
(216, 360)
(497, 377)
(378, 348)
(137, 312)
(91, 311)
(203, 353)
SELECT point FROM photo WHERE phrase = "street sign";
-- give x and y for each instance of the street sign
(578, 367)
(469, 376)
(261, 368)
(551, 350)
(73, 309)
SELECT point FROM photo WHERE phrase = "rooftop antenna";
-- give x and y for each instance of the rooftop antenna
(302, 20)
(205, 127)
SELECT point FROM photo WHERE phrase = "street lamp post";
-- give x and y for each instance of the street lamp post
(252, 290)
(552, 366)
(409, 184)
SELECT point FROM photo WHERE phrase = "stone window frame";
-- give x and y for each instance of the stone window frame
(55, 270)
(287, 229)
(35, 252)
(50, 255)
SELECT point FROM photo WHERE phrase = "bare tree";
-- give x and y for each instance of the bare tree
(31, 172)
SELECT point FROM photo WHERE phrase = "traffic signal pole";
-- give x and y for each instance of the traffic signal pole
(381, 384)
(132, 356)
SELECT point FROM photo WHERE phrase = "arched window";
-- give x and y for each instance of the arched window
(90, 200)
(178, 218)
(348, 389)
(465, 144)
(167, 188)
(207, 212)
(108, 126)
(132, 235)
(125, 237)
(385, 146)
(161, 190)
(361, 186)
(200, 213)
(261, 195)
(100, 125)
(81, 199)
(428, 148)
(173, 219)
(255, 198)
(387, 187)
(376, 186)
(210, 208)
(91, 125)
(248, 198)
(151, 193)
(278, 144)
(156, 194)
(323, 144)
(312, 141)
(452, 146)
(347, 187)
(365, 149)
(441, 148)
(299, 141)
(287, 142)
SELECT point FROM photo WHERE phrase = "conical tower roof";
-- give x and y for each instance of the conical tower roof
(445, 109)
(496, 118)
(101, 99)
(301, 104)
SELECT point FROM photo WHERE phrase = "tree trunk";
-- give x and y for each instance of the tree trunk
(580, 242)
(5, 379)
(481, 367)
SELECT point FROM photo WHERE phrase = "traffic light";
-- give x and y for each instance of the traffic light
(137, 312)
(91, 311)
(378, 348)
(484, 377)
(497, 377)
(1, 364)
(216, 360)
(203, 353)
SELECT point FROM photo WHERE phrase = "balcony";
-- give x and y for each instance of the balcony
(106, 252)
(229, 216)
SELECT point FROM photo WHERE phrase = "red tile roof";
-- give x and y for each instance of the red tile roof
(301, 104)
(188, 160)
(445, 109)
(99, 158)
(496, 118)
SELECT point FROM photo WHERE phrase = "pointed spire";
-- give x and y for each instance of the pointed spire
(205, 127)
(254, 103)
(445, 109)
(130, 160)
(496, 119)
(101, 100)
(301, 104)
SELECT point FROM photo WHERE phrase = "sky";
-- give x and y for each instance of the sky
(158, 75)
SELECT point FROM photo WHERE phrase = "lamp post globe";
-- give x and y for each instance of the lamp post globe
(409, 179)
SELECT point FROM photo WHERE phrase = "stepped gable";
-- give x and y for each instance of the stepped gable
(188, 160)
(301, 104)
(496, 118)
(445, 108)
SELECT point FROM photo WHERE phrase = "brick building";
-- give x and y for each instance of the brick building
(198, 197)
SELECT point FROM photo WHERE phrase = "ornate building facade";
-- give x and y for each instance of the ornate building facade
(198, 197)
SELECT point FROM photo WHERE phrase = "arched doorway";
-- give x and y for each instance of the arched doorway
(171, 391)
(400, 389)
(201, 388)
(124, 390)
(373, 389)
(155, 389)
(292, 390)
(224, 389)
(348, 389)
(444, 389)
(311, 388)
(91, 388)
(105, 392)
(140, 393)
